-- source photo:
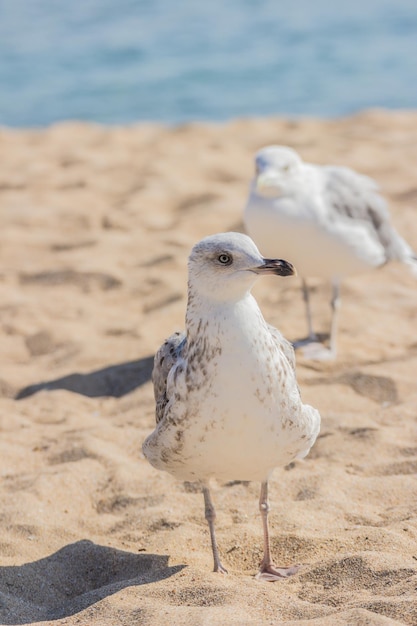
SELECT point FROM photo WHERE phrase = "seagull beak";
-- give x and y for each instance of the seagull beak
(267, 184)
(279, 267)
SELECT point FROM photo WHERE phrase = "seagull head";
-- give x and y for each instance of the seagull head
(276, 170)
(225, 266)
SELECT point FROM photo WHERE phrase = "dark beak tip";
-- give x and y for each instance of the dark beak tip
(293, 271)
(288, 272)
(280, 267)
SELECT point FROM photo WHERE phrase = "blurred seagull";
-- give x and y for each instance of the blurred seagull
(329, 221)
(227, 401)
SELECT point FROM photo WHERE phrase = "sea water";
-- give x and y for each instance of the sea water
(121, 61)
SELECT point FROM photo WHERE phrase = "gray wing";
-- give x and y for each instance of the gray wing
(356, 197)
(284, 344)
(166, 357)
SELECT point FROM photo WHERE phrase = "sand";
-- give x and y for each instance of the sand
(96, 226)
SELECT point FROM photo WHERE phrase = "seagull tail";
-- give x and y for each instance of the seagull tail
(411, 263)
(400, 250)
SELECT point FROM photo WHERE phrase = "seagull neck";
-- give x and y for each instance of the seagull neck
(203, 312)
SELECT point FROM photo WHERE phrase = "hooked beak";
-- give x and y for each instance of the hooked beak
(279, 267)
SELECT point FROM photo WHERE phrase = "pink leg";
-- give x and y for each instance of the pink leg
(267, 570)
(210, 514)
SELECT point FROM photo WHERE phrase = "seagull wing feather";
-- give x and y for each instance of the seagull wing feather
(356, 197)
(284, 345)
(165, 359)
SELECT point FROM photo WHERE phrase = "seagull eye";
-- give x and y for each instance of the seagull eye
(286, 168)
(225, 259)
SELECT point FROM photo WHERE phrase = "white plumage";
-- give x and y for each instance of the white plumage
(228, 405)
(329, 221)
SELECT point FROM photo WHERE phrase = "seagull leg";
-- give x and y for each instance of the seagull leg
(335, 305)
(268, 571)
(311, 337)
(306, 297)
(210, 515)
(312, 348)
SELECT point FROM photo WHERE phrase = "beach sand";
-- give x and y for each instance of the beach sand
(96, 227)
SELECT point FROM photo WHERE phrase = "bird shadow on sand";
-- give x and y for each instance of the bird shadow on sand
(114, 380)
(72, 579)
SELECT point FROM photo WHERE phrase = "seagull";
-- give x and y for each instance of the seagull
(330, 221)
(227, 402)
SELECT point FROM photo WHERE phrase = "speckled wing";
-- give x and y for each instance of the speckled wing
(284, 344)
(166, 357)
(356, 197)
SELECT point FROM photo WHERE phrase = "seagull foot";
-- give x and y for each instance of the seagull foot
(271, 573)
(316, 351)
(219, 569)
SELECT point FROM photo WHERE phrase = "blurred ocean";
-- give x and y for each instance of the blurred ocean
(118, 61)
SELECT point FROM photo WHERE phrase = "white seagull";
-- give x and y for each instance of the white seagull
(227, 401)
(329, 221)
